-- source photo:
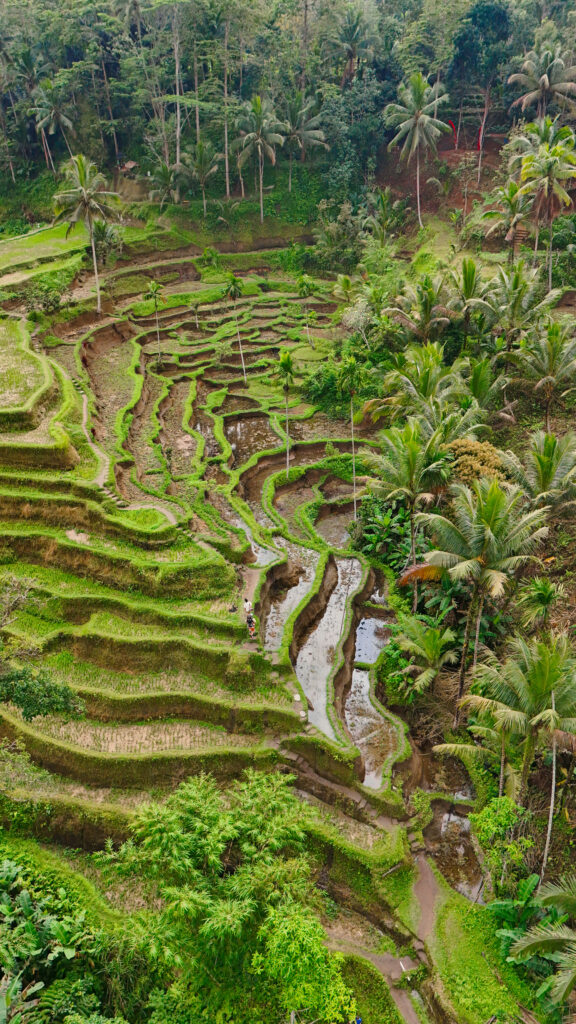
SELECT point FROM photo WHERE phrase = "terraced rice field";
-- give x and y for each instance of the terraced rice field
(143, 495)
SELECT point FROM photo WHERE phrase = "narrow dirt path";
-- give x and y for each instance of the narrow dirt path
(389, 967)
(426, 891)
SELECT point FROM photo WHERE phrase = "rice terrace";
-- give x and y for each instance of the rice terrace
(287, 512)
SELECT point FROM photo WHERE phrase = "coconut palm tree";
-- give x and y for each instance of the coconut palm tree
(547, 363)
(547, 474)
(493, 747)
(467, 289)
(415, 117)
(85, 199)
(557, 938)
(534, 692)
(233, 290)
(352, 40)
(409, 470)
(348, 382)
(515, 302)
(547, 77)
(536, 600)
(49, 113)
(201, 165)
(488, 538)
(301, 129)
(513, 208)
(306, 288)
(285, 371)
(155, 292)
(164, 179)
(419, 376)
(260, 133)
(545, 175)
(422, 308)
(430, 647)
(347, 288)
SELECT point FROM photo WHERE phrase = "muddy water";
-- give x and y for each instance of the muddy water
(287, 601)
(448, 839)
(249, 436)
(374, 735)
(316, 656)
(335, 528)
(371, 637)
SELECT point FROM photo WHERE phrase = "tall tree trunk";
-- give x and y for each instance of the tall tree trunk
(95, 262)
(287, 435)
(240, 344)
(526, 765)
(418, 187)
(477, 633)
(226, 149)
(547, 414)
(48, 151)
(552, 800)
(290, 171)
(65, 137)
(482, 131)
(465, 649)
(261, 184)
(459, 124)
(197, 112)
(353, 453)
(109, 105)
(304, 75)
(550, 256)
(177, 80)
(413, 557)
(502, 764)
(204, 200)
(157, 328)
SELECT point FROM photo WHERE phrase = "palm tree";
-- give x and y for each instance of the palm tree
(486, 541)
(302, 129)
(285, 371)
(420, 376)
(165, 178)
(515, 301)
(348, 383)
(202, 165)
(422, 308)
(415, 117)
(233, 289)
(547, 78)
(409, 470)
(431, 647)
(513, 208)
(346, 288)
(545, 175)
(306, 288)
(537, 599)
(557, 938)
(155, 292)
(491, 748)
(548, 363)
(352, 40)
(49, 113)
(260, 132)
(468, 291)
(534, 692)
(85, 200)
(547, 475)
